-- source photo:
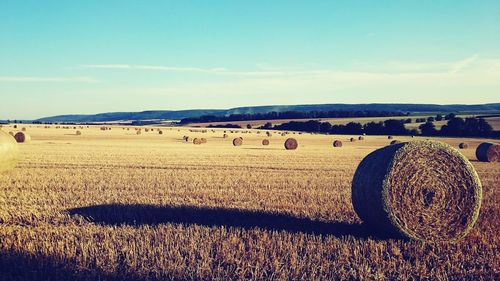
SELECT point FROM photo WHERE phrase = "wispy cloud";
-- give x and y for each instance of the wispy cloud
(47, 79)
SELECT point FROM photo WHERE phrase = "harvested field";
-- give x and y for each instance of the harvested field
(120, 206)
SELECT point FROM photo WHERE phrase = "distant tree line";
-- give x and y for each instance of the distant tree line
(229, 126)
(455, 127)
(290, 115)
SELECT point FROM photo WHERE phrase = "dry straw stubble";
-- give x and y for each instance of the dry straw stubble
(423, 190)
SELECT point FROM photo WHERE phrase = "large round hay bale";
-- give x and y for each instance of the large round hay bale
(12, 133)
(361, 138)
(291, 144)
(269, 134)
(23, 129)
(337, 143)
(265, 142)
(352, 139)
(160, 132)
(203, 140)
(139, 132)
(488, 152)
(9, 152)
(424, 190)
(197, 141)
(238, 141)
(185, 138)
(390, 137)
(463, 145)
(224, 136)
(22, 137)
(78, 133)
(394, 142)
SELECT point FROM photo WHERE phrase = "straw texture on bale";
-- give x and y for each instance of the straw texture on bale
(291, 144)
(488, 152)
(337, 143)
(463, 145)
(22, 137)
(237, 141)
(265, 142)
(423, 190)
(9, 152)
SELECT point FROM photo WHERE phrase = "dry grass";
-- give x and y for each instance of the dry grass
(116, 206)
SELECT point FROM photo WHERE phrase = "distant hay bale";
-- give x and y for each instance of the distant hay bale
(238, 141)
(160, 132)
(390, 137)
(203, 140)
(352, 139)
(138, 132)
(78, 133)
(488, 152)
(146, 130)
(9, 152)
(463, 145)
(291, 144)
(197, 141)
(361, 138)
(337, 143)
(283, 134)
(394, 142)
(12, 133)
(423, 190)
(22, 137)
(15, 126)
(265, 142)
(23, 129)
(269, 134)
(185, 138)
(224, 136)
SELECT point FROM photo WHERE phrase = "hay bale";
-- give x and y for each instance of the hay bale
(203, 140)
(224, 136)
(463, 145)
(78, 133)
(22, 137)
(238, 141)
(139, 132)
(394, 142)
(488, 152)
(269, 134)
(291, 144)
(423, 190)
(185, 138)
(9, 152)
(337, 143)
(197, 141)
(265, 142)
(23, 129)
(361, 138)
(390, 137)
(352, 139)
(12, 133)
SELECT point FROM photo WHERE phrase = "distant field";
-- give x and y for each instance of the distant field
(122, 206)
(494, 121)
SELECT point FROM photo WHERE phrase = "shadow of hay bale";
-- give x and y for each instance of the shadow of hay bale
(137, 215)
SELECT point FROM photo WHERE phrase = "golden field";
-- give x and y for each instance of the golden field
(114, 205)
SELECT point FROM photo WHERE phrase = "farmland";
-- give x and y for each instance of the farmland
(116, 205)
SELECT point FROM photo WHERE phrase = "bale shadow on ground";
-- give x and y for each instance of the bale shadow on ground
(137, 215)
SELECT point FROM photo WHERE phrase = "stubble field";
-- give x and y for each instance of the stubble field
(113, 205)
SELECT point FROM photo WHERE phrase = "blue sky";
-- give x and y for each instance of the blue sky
(63, 57)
